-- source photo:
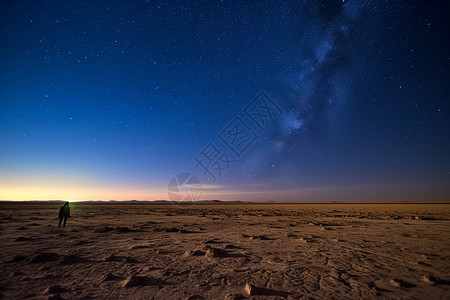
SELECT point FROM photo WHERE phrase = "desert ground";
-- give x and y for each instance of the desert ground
(225, 251)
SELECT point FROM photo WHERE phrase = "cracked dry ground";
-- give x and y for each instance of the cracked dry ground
(285, 251)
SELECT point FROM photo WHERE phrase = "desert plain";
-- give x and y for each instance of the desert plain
(225, 251)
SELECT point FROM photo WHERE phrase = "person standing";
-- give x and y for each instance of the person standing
(64, 213)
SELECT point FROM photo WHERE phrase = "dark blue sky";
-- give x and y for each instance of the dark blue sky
(111, 99)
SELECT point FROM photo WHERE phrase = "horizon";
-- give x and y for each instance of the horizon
(218, 202)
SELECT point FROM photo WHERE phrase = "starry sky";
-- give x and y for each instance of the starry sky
(260, 100)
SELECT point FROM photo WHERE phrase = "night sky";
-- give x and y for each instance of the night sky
(260, 100)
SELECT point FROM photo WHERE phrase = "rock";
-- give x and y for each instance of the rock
(22, 239)
(70, 259)
(104, 229)
(140, 247)
(173, 229)
(214, 252)
(429, 279)
(17, 273)
(131, 260)
(18, 258)
(113, 257)
(136, 280)
(55, 289)
(259, 237)
(194, 253)
(212, 241)
(45, 257)
(303, 240)
(123, 229)
(249, 289)
(83, 242)
(110, 276)
(395, 283)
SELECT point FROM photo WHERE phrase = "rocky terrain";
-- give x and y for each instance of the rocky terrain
(225, 251)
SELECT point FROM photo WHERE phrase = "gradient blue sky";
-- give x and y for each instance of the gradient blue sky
(111, 99)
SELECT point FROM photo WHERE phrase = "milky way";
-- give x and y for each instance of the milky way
(314, 90)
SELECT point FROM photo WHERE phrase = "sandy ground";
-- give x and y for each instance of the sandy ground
(295, 251)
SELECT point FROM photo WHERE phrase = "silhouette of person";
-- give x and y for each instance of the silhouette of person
(64, 213)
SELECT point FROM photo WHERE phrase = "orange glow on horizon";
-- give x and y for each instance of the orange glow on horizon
(79, 194)
(73, 188)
